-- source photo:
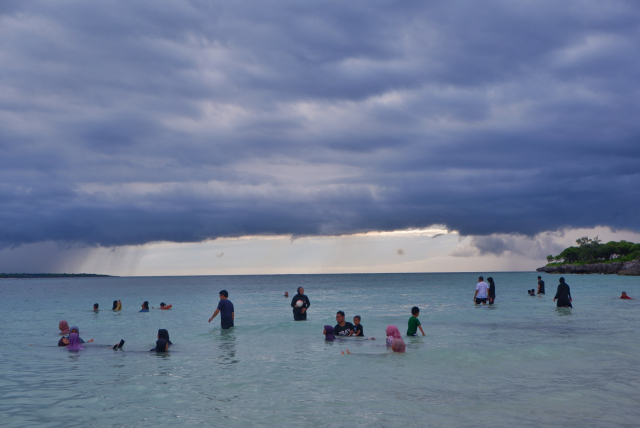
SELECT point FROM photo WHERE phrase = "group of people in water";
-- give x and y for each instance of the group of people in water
(484, 293)
(73, 342)
(343, 329)
(394, 338)
(487, 292)
(563, 298)
(117, 306)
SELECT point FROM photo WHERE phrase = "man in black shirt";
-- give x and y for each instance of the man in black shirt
(343, 328)
(540, 285)
(300, 312)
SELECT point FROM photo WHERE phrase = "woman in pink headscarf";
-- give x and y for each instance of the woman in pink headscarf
(64, 327)
(394, 339)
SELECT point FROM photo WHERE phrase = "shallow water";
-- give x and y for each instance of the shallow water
(522, 362)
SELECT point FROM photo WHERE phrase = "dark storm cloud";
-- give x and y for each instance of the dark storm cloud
(537, 247)
(134, 122)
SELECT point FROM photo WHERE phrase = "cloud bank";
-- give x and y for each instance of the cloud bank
(124, 123)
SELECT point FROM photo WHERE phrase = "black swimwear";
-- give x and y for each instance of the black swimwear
(479, 300)
(161, 346)
(563, 295)
(298, 315)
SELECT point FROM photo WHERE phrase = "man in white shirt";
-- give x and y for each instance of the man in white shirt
(481, 292)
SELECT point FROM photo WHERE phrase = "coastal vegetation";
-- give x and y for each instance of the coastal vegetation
(590, 251)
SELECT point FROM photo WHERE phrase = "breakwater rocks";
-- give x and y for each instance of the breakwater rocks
(626, 268)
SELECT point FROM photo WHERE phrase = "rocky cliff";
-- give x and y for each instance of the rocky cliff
(626, 268)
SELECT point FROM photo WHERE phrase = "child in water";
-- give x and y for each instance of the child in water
(414, 322)
(95, 307)
(164, 306)
(624, 296)
(394, 339)
(532, 292)
(145, 306)
(357, 327)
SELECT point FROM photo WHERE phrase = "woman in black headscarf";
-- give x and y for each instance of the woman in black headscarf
(563, 295)
(300, 303)
(161, 346)
(164, 334)
(492, 290)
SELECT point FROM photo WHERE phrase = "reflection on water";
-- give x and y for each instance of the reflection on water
(227, 347)
(563, 312)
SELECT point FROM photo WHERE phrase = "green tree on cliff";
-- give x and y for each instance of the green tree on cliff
(593, 251)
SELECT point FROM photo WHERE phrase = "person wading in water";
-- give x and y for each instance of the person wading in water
(300, 309)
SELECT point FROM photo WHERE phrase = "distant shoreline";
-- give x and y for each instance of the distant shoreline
(53, 275)
(631, 268)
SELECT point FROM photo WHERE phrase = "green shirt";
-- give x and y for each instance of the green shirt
(413, 326)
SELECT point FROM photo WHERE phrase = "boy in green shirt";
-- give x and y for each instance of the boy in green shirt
(414, 322)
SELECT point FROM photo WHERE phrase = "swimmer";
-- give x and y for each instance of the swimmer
(64, 341)
(481, 292)
(117, 305)
(300, 303)
(95, 307)
(74, 342)
(328, 333)
(161, 346)
(414, 322)
(145, 306)
(226, 311)
(163, 306)
(563, 295)
(286, 294)
(492, 291)
(64, 327)
(394, 339)
(624, 296)
(357, 327)
(75, 330)
(343, 328)
(540, 285)
(532, 292)
(164, 334)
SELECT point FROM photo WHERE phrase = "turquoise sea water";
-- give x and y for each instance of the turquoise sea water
(521, 363)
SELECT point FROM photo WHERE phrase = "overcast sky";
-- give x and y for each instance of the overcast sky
(130, 126)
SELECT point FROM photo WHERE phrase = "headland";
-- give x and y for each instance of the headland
(591, 256)
(625, 268)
